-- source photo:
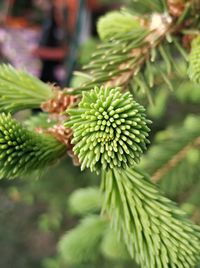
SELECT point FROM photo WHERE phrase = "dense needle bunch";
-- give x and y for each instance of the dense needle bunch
(20, 90)
(156, 232)
(194, 61)
(116, 23)
(110, 129)
(23, 151)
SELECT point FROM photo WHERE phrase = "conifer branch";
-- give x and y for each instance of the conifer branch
(20, 90)
(153, 228)
(52, 125)
(23, 152)
(194, 61)
(81, 244)
(132, 58)
(89, 200)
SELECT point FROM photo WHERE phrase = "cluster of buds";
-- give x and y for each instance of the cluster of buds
(61, 101)
(109, 129)
(56, 108)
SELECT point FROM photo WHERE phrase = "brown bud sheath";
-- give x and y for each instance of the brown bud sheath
(176, 7)
(60, 102)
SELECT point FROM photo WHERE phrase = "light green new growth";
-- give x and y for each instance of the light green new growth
(115, 23)
(194, 61)
(112, 248)
(22, 151)
(115, 61)
(81, 244)
(109, 128)
(85, 200)
(89, 200)
(20, 90)
(155, 231)
(134, 57)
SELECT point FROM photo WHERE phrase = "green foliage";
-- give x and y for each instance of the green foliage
(78, 79)
(192, 202)
(173, 158)
(86, 50)
(89, 200)
(85, 200)
(160, 102)
(194, 61)
(23, 151)
(114, 60)
(20, 90)
(110, 129)
(153, 228)
(81, 244)
(188, 91)
(147, 6)
(50, 263)
(50, 221)
(136, 59)
(41, 120)
(112, 247)
(116, 23)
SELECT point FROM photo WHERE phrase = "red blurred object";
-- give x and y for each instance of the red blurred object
(93, 4)
(16, 22)
(72, 6)
(50, 53)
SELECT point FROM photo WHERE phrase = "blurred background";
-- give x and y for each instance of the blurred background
(44, 36)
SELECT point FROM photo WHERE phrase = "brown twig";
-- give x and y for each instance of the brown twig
(175, 160)
(176, 7)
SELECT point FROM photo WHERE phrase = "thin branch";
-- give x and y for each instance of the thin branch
(175, 160)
